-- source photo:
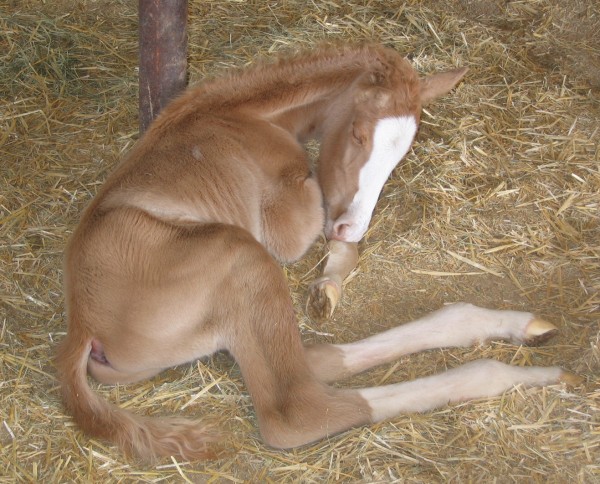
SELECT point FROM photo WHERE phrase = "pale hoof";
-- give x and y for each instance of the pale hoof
(570, 379)
(539, 331)
(323, 297)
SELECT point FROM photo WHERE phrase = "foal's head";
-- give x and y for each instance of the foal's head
(371, 128)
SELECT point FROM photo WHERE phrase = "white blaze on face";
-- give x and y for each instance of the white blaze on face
(391, 141)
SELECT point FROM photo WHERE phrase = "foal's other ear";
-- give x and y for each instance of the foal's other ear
(437, 85)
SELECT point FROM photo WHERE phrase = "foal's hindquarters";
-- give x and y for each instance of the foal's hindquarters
(188, 290)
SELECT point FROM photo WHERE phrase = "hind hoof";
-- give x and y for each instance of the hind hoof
(570, 379)
(539, 331)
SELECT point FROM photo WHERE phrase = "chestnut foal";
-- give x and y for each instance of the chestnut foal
(176, 256)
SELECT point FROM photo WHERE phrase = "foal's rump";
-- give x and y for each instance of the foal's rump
(151, 288)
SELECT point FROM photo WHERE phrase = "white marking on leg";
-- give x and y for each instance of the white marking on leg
(392, 138)
(456, 325)
(478, 379)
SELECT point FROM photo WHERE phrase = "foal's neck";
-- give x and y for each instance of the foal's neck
(295, 93)
(271, 88)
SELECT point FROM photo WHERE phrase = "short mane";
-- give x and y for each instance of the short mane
(277, 80)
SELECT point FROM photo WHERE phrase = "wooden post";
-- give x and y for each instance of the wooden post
(163, 55)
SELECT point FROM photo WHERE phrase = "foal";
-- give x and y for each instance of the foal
(176, 256)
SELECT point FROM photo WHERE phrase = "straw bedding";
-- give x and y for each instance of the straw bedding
(497, 204)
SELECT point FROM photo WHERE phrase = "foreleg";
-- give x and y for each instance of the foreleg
(325, 292)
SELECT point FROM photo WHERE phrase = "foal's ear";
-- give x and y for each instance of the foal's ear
(439, 84)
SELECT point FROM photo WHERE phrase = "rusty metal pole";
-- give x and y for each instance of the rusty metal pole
(163, 55)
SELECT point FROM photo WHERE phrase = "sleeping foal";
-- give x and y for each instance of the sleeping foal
(176, 256)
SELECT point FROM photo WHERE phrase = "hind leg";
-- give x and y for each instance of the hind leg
(477, 379)
(456, 325)
(292, 406)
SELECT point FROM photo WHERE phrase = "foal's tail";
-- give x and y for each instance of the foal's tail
(144, 437)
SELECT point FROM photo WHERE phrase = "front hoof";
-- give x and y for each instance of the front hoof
(323, 297)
